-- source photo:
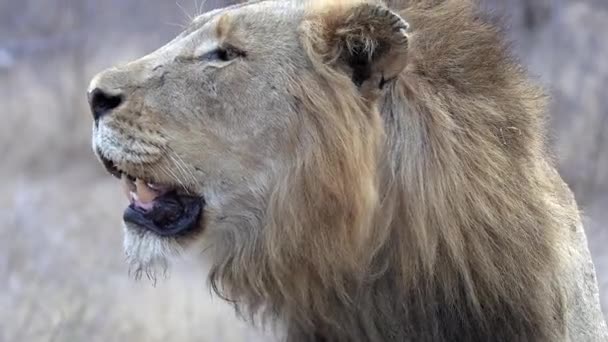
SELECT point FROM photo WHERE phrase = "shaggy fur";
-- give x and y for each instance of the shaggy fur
(463, 241)
(401, 190)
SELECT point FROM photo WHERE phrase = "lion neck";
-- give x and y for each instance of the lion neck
(448, 254)
(454, 252)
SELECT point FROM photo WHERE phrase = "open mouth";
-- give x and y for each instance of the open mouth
(163, 209)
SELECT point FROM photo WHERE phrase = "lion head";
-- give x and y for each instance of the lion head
(353, 176)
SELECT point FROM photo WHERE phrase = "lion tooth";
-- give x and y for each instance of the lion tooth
(153, 186)
(128, 187)
(145, 193)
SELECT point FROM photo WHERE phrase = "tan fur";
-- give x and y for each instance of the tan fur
(419, 206)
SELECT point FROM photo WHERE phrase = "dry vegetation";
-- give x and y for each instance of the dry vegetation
(62, 276)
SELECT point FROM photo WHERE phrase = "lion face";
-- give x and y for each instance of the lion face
(204, 131)
(198, 129)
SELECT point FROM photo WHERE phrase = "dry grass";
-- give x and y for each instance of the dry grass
(62, 275)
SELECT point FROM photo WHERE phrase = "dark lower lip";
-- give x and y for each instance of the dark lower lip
(172, 215)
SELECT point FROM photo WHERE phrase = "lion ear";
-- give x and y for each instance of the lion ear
(369, 41)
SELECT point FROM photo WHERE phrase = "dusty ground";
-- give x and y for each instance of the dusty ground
(62, 274)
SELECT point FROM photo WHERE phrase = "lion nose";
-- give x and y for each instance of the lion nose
(103, 102)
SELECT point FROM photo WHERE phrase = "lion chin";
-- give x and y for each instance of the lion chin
(147, 254)
(353, 171)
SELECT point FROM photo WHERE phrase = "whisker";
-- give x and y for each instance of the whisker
(179, 167)
(180, 163)
(173, 176)
(186, 168)
(157, 175)
(201, 7)
(170, 154)
(181, 26)
(188, 16)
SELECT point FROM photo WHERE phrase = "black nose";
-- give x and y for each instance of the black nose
(102, 102)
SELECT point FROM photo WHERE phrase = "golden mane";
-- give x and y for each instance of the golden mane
(436, 216)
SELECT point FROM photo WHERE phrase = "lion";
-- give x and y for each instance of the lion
(354, 170)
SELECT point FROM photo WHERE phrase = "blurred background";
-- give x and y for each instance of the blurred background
(62, 273)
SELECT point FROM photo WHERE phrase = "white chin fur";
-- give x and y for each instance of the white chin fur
(149, 254)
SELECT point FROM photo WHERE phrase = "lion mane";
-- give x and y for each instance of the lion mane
(434, 214)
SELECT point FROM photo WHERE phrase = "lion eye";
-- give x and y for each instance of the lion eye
(224, 54)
